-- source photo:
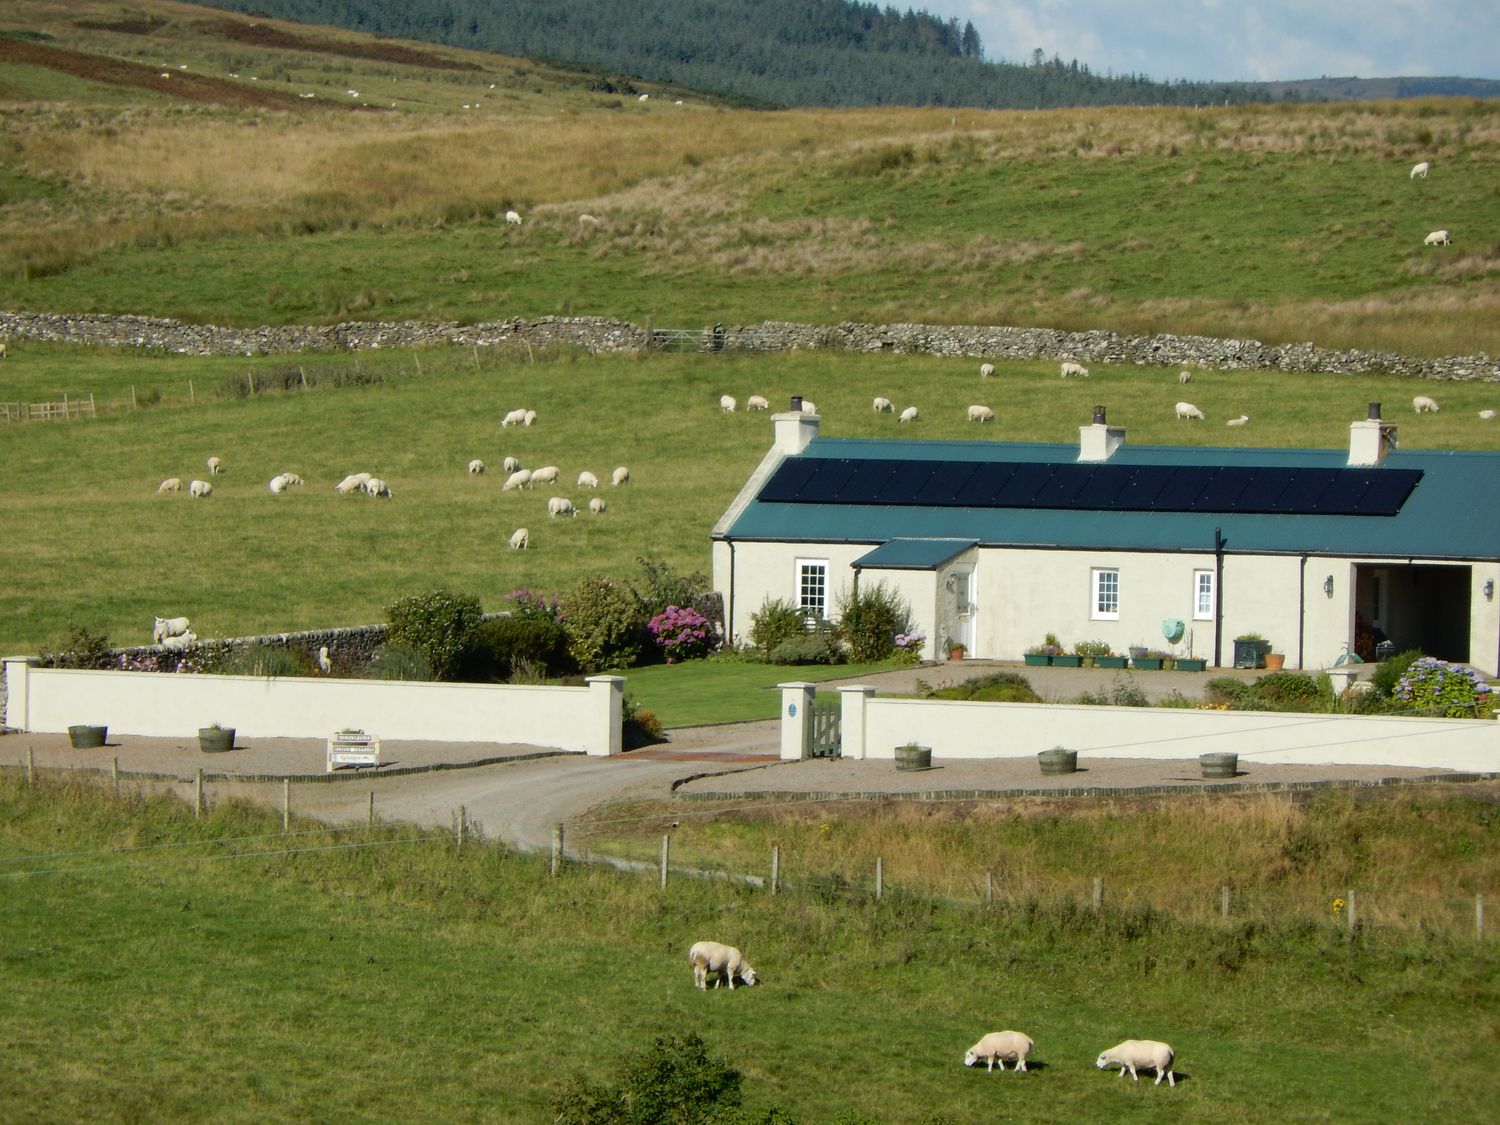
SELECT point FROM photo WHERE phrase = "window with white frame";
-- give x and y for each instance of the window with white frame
(1203, 595)
(812, 587)
(1106, 594)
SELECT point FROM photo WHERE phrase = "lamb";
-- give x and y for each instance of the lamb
(1188, 410)
(200, 488)
(1438, 238)
(512, 218)
(164, 627)
(1424, 405)
(1069, 367)
(1486, 414)
(377, 487)
(171, 484)
(808, 407)
(510, 464)
(997, 1047)
(908, 415)
(476, 468)
(1420, 170)
(521, 478)
(514, 418)
(883, 406)
(1240, 421)
(278, 484)
(725, 960)
(214, 465)
(520, 539)
(1184, 377)
(986, 370)
(979, 413)
(547, 474)
(757, 402)
(354, 482)
(529, 419)
(180, 641)
(1139, 1053)
(587, 479)
(727, 404)
(597, 505)
(621, 475)
(560, 506)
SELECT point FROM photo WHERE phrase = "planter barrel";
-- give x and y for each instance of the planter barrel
(1067, 660)
(1218, 766)
(213, 740)
(914, 757)
(1110, 661)
(1146, 663)
(84, 737)
(1037, 660)
(1191, 664)
(1058, 761)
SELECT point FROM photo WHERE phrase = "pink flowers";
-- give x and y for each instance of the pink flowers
(682, 632)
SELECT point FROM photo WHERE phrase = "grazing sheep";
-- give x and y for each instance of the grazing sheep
(476, 468)
(979, 413)
(1069, 367)
(883, 406)
(293, 478)
(727, 404)
(1184, 377)
(325, 662)
(587, 221)
(587, 479)
(808, 407)
(547, 474)
(278, 484)
(1420, 170)
(1188, 410)
(1140, 1054)
(200, 488)
(171, 484)
(1486, 414)
(529, 419)
(377, 487)
(520, 539)
(621, 475)
(725, 960)
(512, 218)
(1240, 421)
(1438, 238)
(908, 415)
(4, 349)
(214, 465)
(757, 402)
(1424, 405)
(986, 370)
(354, 482)
(521, 478)
(510, 464)
(560, 506)
(180, 641)
(514, 418)
(164, 627)
(997, 1047)
(597, 505)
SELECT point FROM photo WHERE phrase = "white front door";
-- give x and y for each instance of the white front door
(961, 582)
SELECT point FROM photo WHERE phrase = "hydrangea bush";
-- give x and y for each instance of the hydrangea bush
(909, 646)
(1455, 691)
(682, 632)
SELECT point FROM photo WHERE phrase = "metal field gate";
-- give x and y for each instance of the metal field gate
(827, 728)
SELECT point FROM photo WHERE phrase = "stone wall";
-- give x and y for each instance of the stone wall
(598, 334)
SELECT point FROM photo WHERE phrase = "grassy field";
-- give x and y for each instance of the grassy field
(89, 542)
(271, 978)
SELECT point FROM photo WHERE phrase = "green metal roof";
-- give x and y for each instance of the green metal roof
(1448, 515)
(913, 554)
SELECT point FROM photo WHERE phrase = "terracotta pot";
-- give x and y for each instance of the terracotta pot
(1275, 660)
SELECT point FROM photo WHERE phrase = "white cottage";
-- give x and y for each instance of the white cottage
(996, 544)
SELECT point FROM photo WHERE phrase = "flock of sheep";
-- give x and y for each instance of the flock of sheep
(726, 965)
(1437, 237)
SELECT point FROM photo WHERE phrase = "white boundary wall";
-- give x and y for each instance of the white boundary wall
(873, 728)
(161, 705)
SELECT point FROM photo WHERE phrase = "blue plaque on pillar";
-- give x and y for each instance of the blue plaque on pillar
(791, 710)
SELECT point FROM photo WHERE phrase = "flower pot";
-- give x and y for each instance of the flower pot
(1146, 663)
(215, 740)
(1067, 660)
(914, 757)
(1057, 760)
(1109, 661)
(1138, 650)
(955, 654)
(1037, 660)
(1251, 654)
(1275, 660)
(83, 737)
(1191, 664)
(1218, 766)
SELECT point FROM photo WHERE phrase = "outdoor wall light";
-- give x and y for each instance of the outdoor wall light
(1328, 586)
(1489, 589)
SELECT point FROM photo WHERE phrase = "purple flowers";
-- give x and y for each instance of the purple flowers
(1453, 690)
(911, 642)
(531, 606)
(682, 632)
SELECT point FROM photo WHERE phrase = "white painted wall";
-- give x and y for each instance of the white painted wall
(165, 706)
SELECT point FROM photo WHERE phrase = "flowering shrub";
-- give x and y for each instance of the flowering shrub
(528, 605)
(682, 632)
(1454, 691)
(909, 646)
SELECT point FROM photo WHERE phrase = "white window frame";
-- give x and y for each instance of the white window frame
(1099, 586)
(1203, 584)
(814, 610)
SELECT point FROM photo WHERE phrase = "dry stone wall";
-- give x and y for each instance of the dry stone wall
(599, 334)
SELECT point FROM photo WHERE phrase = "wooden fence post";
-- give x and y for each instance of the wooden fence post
(1479, 917)
(1224, 903)
(371, 818)
(989, 890)
(198, 794)
(114, 774)
(775, 868)
(1351, 915)
(286, 805)
(30, 766)
(557, 849)
(666, 847)
(463, 816)
(879, 877)
(192, 398)
(1098, 893)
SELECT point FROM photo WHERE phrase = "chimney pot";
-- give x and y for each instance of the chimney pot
(1374, 414)
(1098, 415)
(796, 403)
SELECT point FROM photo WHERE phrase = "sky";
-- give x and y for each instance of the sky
(1244, 40)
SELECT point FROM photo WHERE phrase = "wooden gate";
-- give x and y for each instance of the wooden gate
(827, 728)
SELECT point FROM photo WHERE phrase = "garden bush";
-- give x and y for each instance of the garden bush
(869, 621)
(1293, 691)
(604, 623)
(777, 621)
(439, 624)
(1389, 672)
(818, 647)
(398, 662)
(537, 647)
(82, 649)
(674, 1082)
(998, 687)
(263, 660)
(682, 633)
(1435, 687)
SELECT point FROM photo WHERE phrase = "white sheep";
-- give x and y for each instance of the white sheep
(1486, 414)
(1184, 377)
(1438, 238)
(510, 464)
(908, 415)
(214, 465)
(514, 418)
(512, 218)
(808, 407)
(1240, 421)
(354, 482)
(1424, 405)
(1142, 1054)
(1188, 410)
(883, 405)
(560, 506)
(1070, 367)
(521, 478)
(1420, 170)
(520, 539)
(998, 1047)
(293, 478)
(377, 487)
(587, 220)
(587, 479)
(986, 370)
(979, 413)
(724, 960)
(180, 641)
(620, 476)
(325, 662)
(757, 402)
(164, 627)
(171, 484)
(529, 419)
(200, 488)
(476, 468)
(278, 484)
(727, 404)
(597, 505)
(547, 474)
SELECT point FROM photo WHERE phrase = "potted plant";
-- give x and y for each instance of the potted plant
(1250, 650)
(910, 756)
(956, 650)
(1057, 761)
(1190, 663)
(1154, 660)
(1039, 656)
(1275, 661)
(1138, 651)
(1218, 766)
(85, 737)
(1092, 652)
(215, 738)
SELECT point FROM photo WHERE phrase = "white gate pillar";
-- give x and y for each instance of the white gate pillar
(16, 712)
(853, 700)
(796, 720)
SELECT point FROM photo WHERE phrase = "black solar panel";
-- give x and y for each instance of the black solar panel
(1281, 490)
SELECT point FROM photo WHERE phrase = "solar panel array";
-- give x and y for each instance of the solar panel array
(1260, 490)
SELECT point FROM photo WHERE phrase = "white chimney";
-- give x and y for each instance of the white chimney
(794, 430)
(1099, 441)
(1370, 439)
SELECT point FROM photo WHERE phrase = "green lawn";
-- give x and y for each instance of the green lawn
(716, 691)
